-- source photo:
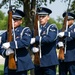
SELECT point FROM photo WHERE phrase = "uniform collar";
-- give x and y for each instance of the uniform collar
(17, 28)
(45, 26)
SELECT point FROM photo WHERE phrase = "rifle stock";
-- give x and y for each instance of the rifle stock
(36, 55)
(11, 61)
(61, 51)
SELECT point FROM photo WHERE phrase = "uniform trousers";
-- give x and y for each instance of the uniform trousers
(67, 67)
(13, 72)
(51, 70)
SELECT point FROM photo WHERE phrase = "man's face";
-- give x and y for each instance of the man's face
(17, 22)
(70, 22)
(43, 19)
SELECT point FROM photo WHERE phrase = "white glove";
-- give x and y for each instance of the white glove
(60, 44)
(61, 34)
(9, 51)
(35, 49)
(32, 41)
(6, 45)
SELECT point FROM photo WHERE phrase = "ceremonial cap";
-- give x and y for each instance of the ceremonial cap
(43, 11)
(18, 14)
(70, 15)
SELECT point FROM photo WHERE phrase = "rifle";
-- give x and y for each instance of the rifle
(36, 55)
(61, 51)
(64, 28)
(11, 61)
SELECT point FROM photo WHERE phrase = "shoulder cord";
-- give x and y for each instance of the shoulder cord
(23, 32)
(49, 28)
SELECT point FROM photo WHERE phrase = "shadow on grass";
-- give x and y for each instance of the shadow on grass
(1, 72)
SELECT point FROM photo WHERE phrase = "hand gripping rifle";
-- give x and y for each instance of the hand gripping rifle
(62, 50)
(11, 61)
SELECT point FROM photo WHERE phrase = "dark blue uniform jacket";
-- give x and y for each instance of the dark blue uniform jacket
(23, 37)
(48, 45)
(70, 49)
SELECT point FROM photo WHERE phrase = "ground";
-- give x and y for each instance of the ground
(2, 60)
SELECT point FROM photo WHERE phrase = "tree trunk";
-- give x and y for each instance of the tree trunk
(27, 10)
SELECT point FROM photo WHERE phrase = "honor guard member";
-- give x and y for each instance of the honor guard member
(68, 64)
(20, 44)
(48, 35)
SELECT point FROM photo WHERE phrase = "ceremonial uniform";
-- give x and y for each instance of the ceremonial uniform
(48, 34)
(68, 64)
(20, 46)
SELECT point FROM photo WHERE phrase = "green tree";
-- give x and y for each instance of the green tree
(29, 7)
(59, 19)
(1, 15)
(3, 21)
(52, 21)
(72, 7)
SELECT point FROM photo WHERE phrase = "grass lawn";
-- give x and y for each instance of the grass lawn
(1, 69)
